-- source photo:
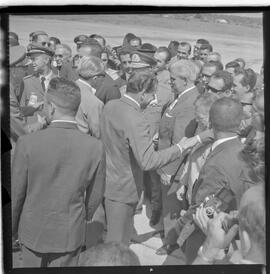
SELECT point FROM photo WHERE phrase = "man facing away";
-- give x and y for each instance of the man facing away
(129, 151)
(57, 183)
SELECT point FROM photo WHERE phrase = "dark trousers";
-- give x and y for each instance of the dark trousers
(32, 258)
(156, 196)
(120, 221)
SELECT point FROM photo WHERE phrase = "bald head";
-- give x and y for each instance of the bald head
(226, 115)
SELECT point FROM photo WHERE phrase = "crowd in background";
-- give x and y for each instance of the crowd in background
(97, 132)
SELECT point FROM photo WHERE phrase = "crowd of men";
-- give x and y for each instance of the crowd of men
(97, 132)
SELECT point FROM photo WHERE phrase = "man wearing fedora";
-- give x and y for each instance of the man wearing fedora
(34, 87)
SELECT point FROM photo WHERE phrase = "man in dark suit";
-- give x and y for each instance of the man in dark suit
(223, 167)
(129, 151)
(57, 183)
(34, 87)
(106, 88)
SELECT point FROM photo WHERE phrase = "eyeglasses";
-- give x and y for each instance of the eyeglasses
(209, 88)
(205, 75)
(126, 62)
(104, 60)
(58, 55)
(182, 52)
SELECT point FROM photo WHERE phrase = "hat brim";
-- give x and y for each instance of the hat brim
(139, 65)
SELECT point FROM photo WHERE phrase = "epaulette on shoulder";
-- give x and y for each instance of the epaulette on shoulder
(28, 76)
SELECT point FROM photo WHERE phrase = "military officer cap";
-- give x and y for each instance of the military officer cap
(33, 48)
(148, 49)
(80, 39)
(16, 54)
(142, 60)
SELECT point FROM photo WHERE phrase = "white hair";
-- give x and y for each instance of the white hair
(90, 66)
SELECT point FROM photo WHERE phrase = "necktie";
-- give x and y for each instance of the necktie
(43, 83)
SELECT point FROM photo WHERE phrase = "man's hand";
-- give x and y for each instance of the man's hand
(187, 143)
(165, 179)
(180, 193)
(201, 219)
(38, 105)
(217, 238)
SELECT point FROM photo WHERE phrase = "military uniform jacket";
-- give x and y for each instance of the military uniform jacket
(33, 92)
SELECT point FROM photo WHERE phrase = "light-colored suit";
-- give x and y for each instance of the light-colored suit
(88, 115)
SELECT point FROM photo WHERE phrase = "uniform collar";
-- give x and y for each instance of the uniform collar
(64, 124)
(222, 140)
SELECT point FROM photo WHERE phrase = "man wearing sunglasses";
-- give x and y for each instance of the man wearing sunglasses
(220, 83)
(207, 71)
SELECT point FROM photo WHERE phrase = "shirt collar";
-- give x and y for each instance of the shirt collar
(48, 76)
(64, 121)
(133, 100)
(87, 84)
(180, 95)
(222, 140)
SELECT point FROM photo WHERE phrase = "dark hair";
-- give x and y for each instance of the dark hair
(141, 79)
(99, 37)
(55, 40)
(206, 46)
(65, 94)
(232, 64)
(240, 60)
(128, 37)
(124, 52)
(109, 254)
(175, 44)
(166, 50)
(186, 44)
(249, 77)
(13, 39)
(202, 41)
(226, 115)
(218, 65)
(226, 77)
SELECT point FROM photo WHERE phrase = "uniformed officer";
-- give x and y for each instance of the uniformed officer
(34, 86)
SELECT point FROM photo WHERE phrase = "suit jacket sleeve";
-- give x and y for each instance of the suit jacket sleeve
(143, 149)
(18, 183)
(93, 119)
(96, 188)
(181, 130)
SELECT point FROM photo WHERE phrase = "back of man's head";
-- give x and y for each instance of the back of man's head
(252, 216)
(94, 48)
(206, 46)
(109, 254)
(226, 115)
(141, 79)
(226, 77)
(65, 95)
(202, 41)
(90, 66)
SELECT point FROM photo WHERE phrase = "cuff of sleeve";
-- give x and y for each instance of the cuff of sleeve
(199, 138)
(180, 148)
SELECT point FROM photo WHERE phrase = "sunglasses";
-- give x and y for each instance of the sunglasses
(104, 60)
(182, 52)
(44, 44)
(126, 62)
(205, 75)
(213, 89)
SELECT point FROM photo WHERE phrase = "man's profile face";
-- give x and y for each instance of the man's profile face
(215, 85)
(230, 70)
(160, 57)
(204, 54)
(196, 50)
(126, 63)
(39, 62)
(172, 49)
(238, 87)
(177, 82)
(206, 74)
(42, 40)
(183, 52)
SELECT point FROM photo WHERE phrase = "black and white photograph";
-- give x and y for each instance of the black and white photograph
(136, 139)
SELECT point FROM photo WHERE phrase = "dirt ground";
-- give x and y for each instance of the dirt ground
(231, 41)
